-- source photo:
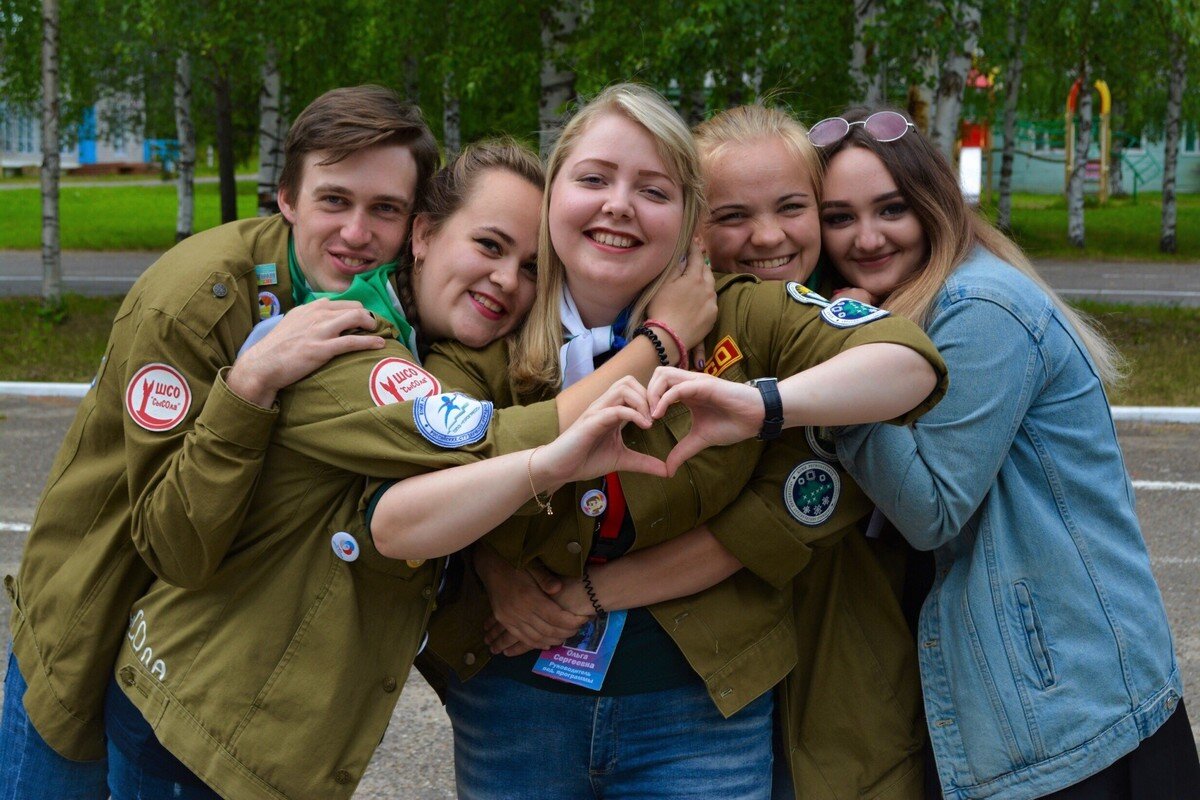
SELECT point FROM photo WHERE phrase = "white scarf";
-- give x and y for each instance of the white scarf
(577, 358)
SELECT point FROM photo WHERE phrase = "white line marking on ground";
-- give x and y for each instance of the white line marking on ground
(13, 527)
(71, 278)
(1138, 292)
(1167, 486)
(1175, 560)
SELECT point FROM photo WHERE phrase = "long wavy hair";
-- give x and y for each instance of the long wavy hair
(953, 230)
(534, 363)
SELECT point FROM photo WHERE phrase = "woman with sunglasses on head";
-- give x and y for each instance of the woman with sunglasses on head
(1046, 658)
(685, 707)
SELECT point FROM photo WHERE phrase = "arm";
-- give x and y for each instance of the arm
(931, 478)
(190, 484)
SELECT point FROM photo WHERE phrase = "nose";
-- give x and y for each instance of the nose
(868, 238)
(766, 234)
(356, 230)
(506, 275)
(617, 203)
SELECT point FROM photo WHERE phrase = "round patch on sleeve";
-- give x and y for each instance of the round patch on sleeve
(158, 397)
(811, 492)
(394, 380)
(452, 420)
(847, 313)
(802, 294)
(821, 443)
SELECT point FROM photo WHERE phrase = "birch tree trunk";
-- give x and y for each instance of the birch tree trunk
(412, 79)
(559, 22)
(271, 132)
(865, 69)
(222, 92)
(953, 80)
(451, 127)
(51, 251)
(185, 132)
(1083, 142)
(1017, 28)
(1175, 87)
(922, 104)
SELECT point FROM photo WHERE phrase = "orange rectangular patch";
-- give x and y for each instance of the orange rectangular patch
(726, 355)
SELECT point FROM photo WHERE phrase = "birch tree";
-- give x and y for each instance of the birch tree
(1015, 41)
(967, 17)
(185, 134)
(51, 252)
(1083, 143)
(272, 130)
(559, 21)
(1175, 86)
(866, 68)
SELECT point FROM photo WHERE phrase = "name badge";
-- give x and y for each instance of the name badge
(584, 659)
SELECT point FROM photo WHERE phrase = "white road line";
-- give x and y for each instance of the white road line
(1175, 560)
(1137, 292)
(1167, 486)
(71, 278)
(13, 527)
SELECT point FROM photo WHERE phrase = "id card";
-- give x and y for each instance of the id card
(584, 658)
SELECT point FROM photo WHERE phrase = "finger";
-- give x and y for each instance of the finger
(687, 447)
(546, 580)
(518, 649)
(633, 461)
(698, 356)
(354, 342)
(502, 642)
(662, 380)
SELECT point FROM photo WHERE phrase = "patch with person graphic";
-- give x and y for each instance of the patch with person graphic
(452, 420)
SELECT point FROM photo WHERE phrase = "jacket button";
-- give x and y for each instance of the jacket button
(389, 684)
(469, 659)
(1171, 701)
(342, 777)
(127, 676)
(928, 643)
(219, 290)
(427, 592)
(942, 723)
(574, 548)
(415, 562)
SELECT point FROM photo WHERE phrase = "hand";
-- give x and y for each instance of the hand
(573, 596)
(522, 610)
(723, 412)
(687, 301)
(593, 446)
(855, 293)
(306, 338)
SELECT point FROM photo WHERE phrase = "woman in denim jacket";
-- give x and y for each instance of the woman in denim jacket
(1046, 658)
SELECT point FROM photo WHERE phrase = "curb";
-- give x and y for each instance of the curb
(1188, 415)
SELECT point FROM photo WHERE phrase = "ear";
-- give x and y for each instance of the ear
(422, 232)
(285, 205)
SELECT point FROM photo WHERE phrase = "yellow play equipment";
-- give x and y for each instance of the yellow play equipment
(1105, 136)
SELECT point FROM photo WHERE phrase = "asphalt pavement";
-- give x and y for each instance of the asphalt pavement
(103, 273)
(414, 759)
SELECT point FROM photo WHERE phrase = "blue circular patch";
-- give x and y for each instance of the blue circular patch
(452, 420)
(811, 492)
(847, 313)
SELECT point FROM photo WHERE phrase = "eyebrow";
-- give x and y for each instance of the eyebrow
(778, 200)
(613, 166)
(874, 201)
(508, 239)
(333, 188)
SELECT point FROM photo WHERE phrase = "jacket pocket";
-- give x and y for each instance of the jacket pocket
(1035, 635)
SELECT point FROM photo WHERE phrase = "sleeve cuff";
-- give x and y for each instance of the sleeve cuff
(758, 535)
(234, 419)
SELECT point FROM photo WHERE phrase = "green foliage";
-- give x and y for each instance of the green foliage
(34, 348)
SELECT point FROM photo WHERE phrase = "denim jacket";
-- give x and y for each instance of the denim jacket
(1044, 647)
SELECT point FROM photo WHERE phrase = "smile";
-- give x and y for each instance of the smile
(768, 263)
(352, 263)
(611, 239)
(874, 261)
(490, 307)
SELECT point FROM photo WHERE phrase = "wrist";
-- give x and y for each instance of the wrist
(244, 383)
(772, 423)
(671, 342)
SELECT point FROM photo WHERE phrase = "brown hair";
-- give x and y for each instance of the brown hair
(952, 231)
(450, 188)
(534, 362)
(344, 121)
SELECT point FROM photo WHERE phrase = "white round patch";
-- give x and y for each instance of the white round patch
(811, 492)
(802, 294)
(345, 546)
(158, 397)
(394, 380)
(820, 442)
(452, 420)
(593, 502)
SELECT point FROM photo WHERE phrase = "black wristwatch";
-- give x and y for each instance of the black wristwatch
(773, 419)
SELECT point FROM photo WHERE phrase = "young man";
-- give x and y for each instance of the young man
(156, 474)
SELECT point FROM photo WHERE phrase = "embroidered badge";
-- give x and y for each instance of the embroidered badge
(847, 313)
(158, 397)
(452, 420)
(820, 441)
(726, 355)
(268, 305)
(345, 546)
(266, 274)
(811, 492)
(802, 294)
(394, 380)
(593, 502)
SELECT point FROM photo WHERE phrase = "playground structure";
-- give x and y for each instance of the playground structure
(1094, 168)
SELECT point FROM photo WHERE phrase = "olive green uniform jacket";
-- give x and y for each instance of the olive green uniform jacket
(740, 636)
(277, 677)
(128, 500)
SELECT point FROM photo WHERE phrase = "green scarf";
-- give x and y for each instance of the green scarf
(372, 288)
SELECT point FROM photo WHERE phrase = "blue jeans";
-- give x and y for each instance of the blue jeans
(29, 768)
(517, 742)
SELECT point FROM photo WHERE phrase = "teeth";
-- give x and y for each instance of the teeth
(769, 263)
(488, 303)
(353, 262)
(613, 239)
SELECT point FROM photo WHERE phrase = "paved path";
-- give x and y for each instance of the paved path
(101, 273)
(6, 186)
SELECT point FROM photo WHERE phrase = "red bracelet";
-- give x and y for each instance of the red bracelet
(665, 328)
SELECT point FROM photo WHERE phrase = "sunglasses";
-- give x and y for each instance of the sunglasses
(882, 126)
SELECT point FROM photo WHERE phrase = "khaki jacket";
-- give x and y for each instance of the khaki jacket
(740, 635)
(277, 677)
(126, 501)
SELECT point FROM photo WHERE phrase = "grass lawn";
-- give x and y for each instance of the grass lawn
(1119, 230)
(112, 217)
(1160, 344)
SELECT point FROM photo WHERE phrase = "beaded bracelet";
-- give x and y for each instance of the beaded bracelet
(642, 330)
(669, 331)
(591, 593)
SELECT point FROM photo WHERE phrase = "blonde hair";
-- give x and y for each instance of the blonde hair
(953, 230)
(534, 364)
(750, 123)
